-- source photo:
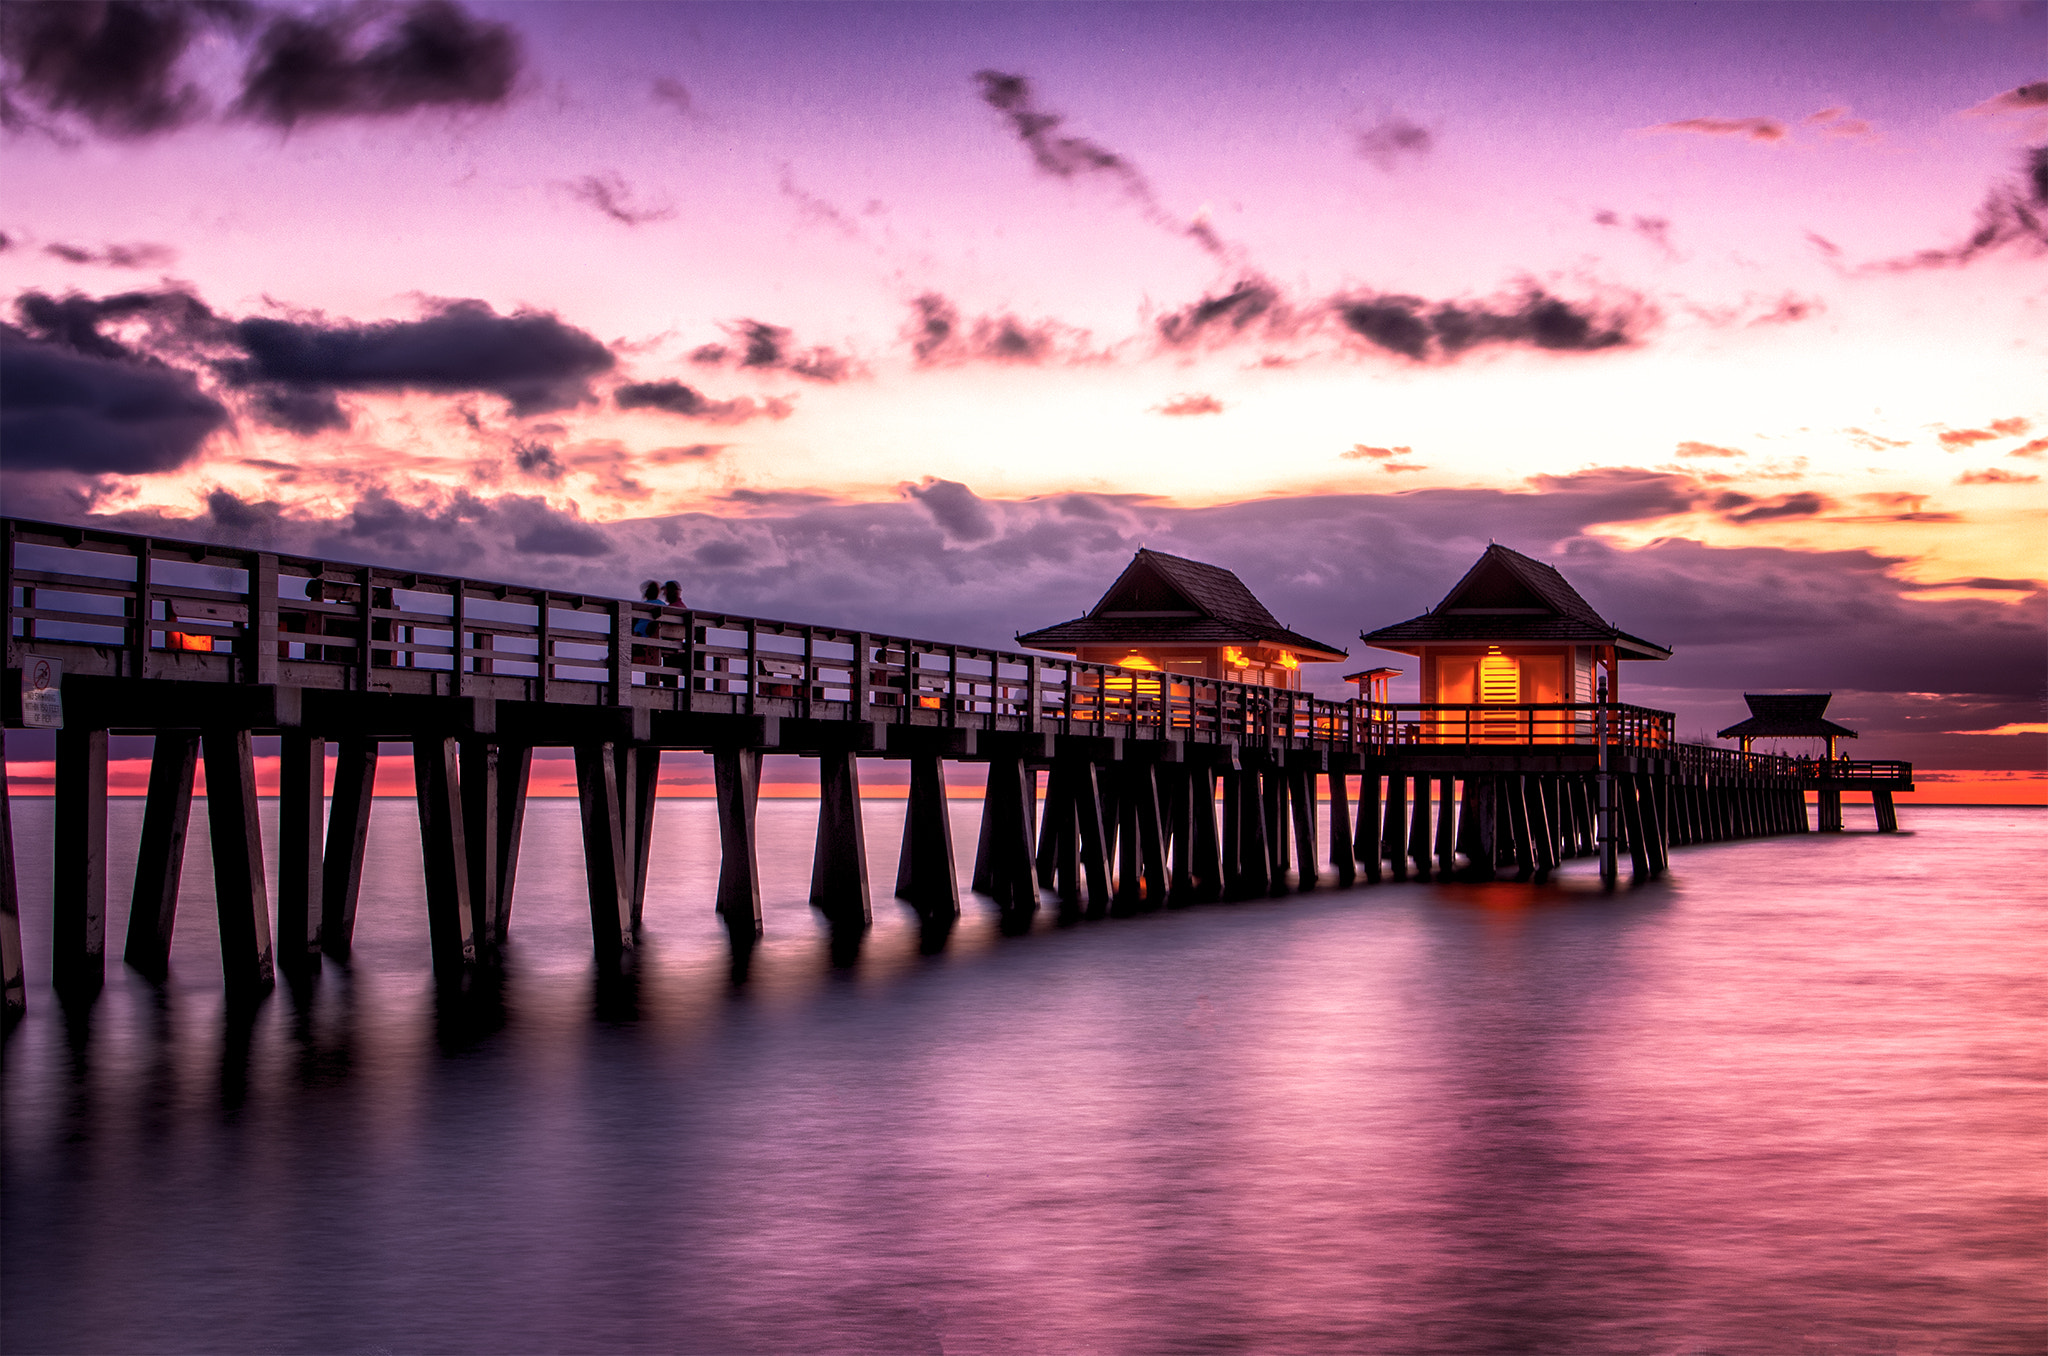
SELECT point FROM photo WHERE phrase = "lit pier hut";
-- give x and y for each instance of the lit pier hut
(1514, 656)
(1211, 644)
(1803, 715)
(1182, 616)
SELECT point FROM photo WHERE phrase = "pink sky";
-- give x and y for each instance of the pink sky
(1757, 293)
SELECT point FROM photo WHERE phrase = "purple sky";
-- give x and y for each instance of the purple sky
(927, 317)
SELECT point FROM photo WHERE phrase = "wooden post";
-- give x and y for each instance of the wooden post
(1394, 832)
(1655, 846)
(925, 874)
(1254, 863)
(301, 796)
(348, 832)
(1830, 811)
(839, 863)
(1230, 857)
(1887, 812)
(1301, 794)
(1093, 843)
(160, 860)
(79, 878)
(737, 773)
(1341, 859)
(1516, 792)
(1059, 837)
(1366, 843)
(1418, 828)
(1274, 777)
(1446, 827)
(1632, 819)
(515, 770)
(481, 784)
(1542, 827)
(1484, 848)
(13, 973)
(260, 664)
(246, 958)
(1207, 847)
(1144, 789)
(451, 914)
(1178, 811)
(638, 768)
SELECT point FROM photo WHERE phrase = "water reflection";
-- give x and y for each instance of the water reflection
(1719, 1114)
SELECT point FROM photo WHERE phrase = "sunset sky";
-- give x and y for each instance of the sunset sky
(924, 318)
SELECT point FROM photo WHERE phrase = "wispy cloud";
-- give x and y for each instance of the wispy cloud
(612, 195)
(1768, 131)
(1182, 406)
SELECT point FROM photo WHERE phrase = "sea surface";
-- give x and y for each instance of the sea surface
(1791, 1099)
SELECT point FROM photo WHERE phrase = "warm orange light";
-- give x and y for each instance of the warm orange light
(1134, 660)
(1235, 657)
(1288, 661)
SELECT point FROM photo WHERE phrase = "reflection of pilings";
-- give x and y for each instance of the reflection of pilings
(238, 886)
(160, 858)
(348, 832)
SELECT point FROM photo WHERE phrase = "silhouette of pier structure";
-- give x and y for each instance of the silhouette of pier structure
(206, 646)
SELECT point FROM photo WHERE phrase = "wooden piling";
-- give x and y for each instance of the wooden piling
(1887, 812)
(13, 972)
(1144, 785)
(79, 878)
(605, 865)
(1446, 827)
(301, 800)
(1301, 795)
(1006, 835)
(1092, 842)
(737, 774)
(839, 864)
(1177, 821)
(1418, 827)
(160, 858)
(1394, 829)
(1273, 777)
(1632, 822)
(1542, 828)
(924, 868)
(1516, 802)
(1830, 811)
(480, 781)
(444, 853)
(247, 962)
(1208, 846)
(1341, 859)
(1255, 864)
(348, 832)
(1366, 845)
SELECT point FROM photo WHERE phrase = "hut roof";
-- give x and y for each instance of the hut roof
(1169, 600)
(1507, 598)
(1792, 715)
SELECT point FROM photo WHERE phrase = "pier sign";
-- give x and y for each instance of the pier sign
(42, 698)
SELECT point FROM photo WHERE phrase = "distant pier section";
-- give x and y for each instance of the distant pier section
(1519, 758)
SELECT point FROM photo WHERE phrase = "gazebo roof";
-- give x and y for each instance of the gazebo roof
(1507, 598)
(1791, 715)
(1169, 600)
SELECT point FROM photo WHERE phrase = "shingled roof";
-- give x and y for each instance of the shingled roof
(1792, 715)
(1507, 598)
(1169, 600)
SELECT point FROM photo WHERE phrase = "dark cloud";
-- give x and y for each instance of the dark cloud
(1389, 139)
(959, 512)
(2024, 99)
(304, 412)
(307, 68)
(668, 456)
(939, 337)
(1766, 130)
(89, 411)
(1226, 314)
(112, 65)
(530, 358)
(244, 518)
(1742, 508)
(613, 196)
(673, 397)
(140, 255)
(763, 347)
(536, 459)
(171, 319)
(1182, 406)
(1423, 330)
(1070, 157)
(2014, 214)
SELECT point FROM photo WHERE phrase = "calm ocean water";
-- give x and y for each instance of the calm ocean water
(1790, 1100)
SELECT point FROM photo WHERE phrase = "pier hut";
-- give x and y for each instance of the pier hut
(1803, 715)
(1184, 616)
(1513, 631)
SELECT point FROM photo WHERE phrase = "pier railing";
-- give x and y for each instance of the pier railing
(159, 608)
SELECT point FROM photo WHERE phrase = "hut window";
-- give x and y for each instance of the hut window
(1500, 679)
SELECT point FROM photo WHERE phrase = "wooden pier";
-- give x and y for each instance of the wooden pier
(206, 646)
